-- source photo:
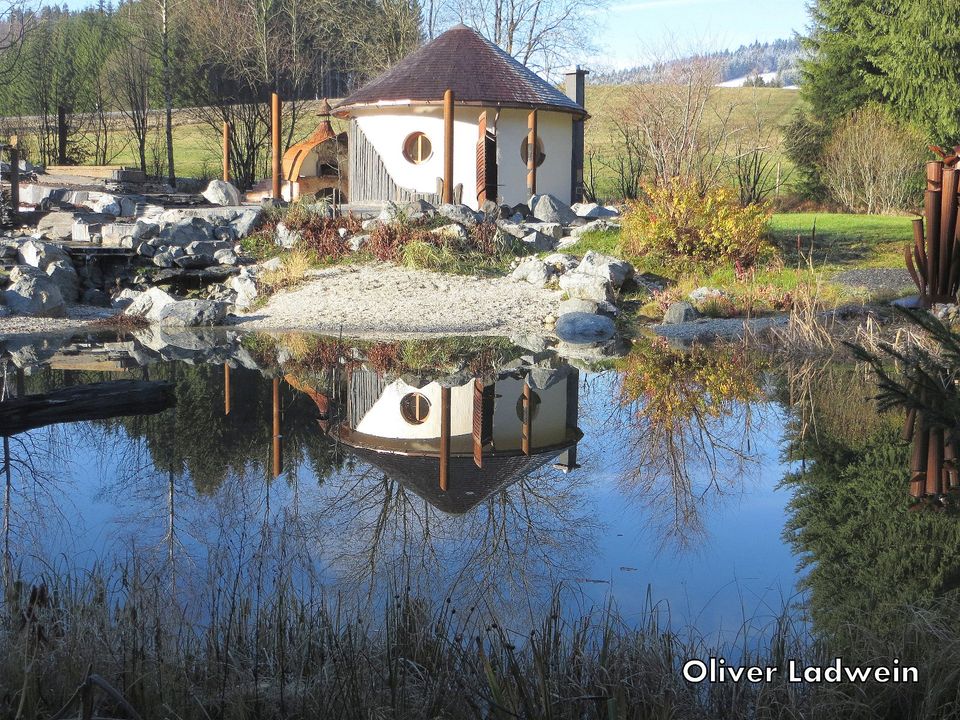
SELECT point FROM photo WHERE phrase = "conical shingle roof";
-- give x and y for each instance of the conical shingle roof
(478, 71)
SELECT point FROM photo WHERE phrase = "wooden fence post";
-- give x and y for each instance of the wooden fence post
(226, 151)
(275, 128)
(448, 146)
(532, 153)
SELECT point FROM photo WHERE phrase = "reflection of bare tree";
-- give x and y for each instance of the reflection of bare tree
(521, 534)
(690, 420)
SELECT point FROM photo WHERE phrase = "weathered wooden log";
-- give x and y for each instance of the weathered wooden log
(932, 202)
(948, 226)
(97, 401)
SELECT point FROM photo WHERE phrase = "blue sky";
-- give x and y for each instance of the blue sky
(638, 29)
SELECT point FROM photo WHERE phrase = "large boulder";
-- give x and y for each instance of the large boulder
(56, 225)
(548, 208)
(454, 232)
(220, 192)
(39, 254)
(192, 313)
(149, 304)
(584, 328)
(34, 295)
(551, 229)
(616, 271)
(64, 276)
(586, 287)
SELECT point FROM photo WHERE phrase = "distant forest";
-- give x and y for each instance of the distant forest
(780, 56)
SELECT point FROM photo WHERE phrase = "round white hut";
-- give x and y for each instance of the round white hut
(398, 134)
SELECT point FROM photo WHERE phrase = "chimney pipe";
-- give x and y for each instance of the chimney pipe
(575, 84)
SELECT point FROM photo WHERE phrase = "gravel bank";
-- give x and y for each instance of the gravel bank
(388, 301)
(78, 316)
(876, 279)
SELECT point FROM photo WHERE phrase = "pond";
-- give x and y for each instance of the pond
(715, 485)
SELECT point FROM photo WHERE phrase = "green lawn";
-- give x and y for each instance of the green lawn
(841, 240)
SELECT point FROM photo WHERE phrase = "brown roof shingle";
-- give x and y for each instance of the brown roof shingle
(478, 71)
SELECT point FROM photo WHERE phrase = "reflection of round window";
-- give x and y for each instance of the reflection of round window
(415, 408)
(540, 154)
(417, 148)
(534, 405)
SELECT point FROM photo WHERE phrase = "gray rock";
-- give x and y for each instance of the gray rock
(532, 270)
(551, 229)
(225, 233)
(192, 313)
(357, 242)
(165, 259)
(593, 226)
(512, 228)
(39, 254)
(247, 222)
(56, 225)
(183, 233)
(272, 264)
(616, 271)
(538, 242)
(593, 211)
(680, 312)
(577, 305)
(245, 288)
(146, 250)
(582, 328)
(705, 293)
(125, 298)
(65, 277)
(561, 262)
(36, 296)
(586, 287)
(548, 208)
(226, 257)
(207, 247)
(285, 237)
(149, 304)
(188, 262)
(454, 231)
(96, 297)
(219, 192)
(459, 214)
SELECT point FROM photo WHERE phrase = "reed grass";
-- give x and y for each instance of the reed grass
(241, 650)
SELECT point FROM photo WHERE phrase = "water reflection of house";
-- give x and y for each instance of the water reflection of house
(455, 445)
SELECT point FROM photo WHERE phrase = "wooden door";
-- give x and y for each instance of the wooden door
(486, 162)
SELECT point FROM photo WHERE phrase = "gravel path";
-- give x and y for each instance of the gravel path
(389, 301)
(876, 279)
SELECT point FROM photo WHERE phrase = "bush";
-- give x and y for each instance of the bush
(674, 221)
(872, 162)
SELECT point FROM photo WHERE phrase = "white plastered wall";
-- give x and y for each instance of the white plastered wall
(385, 420)
(388, 127)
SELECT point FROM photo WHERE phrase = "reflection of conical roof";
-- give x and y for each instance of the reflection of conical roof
(478, 71)
(468, 485)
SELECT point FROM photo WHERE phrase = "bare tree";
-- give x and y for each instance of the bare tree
(542, 34)
(684, 124)
(872, 162)
(129, 74)
(755, 167)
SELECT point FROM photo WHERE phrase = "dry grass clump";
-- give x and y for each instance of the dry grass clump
(292, 271)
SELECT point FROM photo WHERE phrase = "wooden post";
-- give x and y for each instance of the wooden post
(526, 433)
(932, 199)
(277, 460)
(226, 151)
(275, 128)
(448, 146)
(532, 153)
(226, 389)
(444, 437)
(14, 182)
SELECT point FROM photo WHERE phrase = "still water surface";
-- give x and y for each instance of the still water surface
(654, 478)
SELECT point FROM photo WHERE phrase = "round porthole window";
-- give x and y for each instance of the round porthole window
(417, 148)
(534, 406)
(414, 408)
(541, 156)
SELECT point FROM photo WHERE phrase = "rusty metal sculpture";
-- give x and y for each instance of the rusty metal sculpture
(934, 258)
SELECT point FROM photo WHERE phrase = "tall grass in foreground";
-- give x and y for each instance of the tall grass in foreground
(240, 652)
